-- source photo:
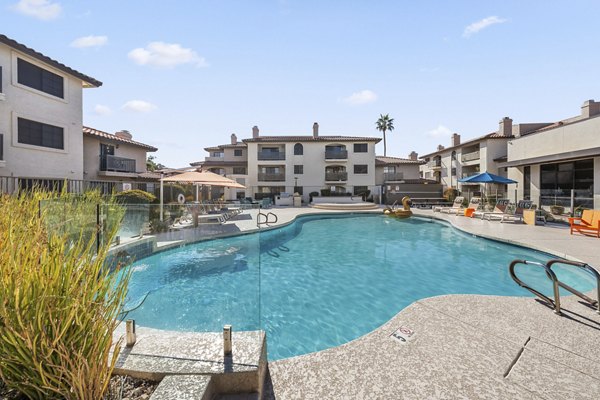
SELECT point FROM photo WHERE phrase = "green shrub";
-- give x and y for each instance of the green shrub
(450, 194)
(135, 197)
(58, 303)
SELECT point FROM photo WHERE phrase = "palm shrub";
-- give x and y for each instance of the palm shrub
(58, 305)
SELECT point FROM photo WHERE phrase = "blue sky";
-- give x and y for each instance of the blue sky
(184, 75)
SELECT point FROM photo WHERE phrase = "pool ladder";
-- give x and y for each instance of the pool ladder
(266, 216)
(556, 283)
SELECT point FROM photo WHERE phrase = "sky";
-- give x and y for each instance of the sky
(184, 75)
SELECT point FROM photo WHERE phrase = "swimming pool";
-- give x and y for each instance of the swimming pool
(324, 280)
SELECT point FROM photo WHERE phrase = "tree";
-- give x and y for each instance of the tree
(383, 124)
(152, 165)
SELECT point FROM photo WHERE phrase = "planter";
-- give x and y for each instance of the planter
(557, 210)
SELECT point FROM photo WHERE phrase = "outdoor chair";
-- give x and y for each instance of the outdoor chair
(457, 204)
(589, 222)
(474, 203)
(517, 215)
(499, 209)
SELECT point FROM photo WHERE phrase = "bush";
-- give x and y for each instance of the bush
(325, 192)
(58, 303)
(135, 197)
(450, 194)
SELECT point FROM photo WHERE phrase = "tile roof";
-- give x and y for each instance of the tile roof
(110, 136)
(45, 59)
(226, 146)
(492, 135)
(412, 181)
(380, 160)
(311, 139)
(218, 163)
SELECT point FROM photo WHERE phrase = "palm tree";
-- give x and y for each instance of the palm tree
(383, 124)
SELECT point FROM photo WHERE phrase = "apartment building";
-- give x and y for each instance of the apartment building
(296, 164)
(40, 116)
(116, 159)
(557, 163)
(399, 177)
(447, 165)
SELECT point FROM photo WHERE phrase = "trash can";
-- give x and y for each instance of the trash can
(469, 212)
(297, 201)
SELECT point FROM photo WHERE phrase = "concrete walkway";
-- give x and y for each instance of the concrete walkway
(465, 346)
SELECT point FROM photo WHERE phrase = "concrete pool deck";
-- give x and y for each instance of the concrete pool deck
(455, 346)
(464, 346)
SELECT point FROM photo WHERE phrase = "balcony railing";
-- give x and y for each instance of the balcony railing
(270, 155)
(471, 156)
(267, 177)
(336, 176)
(116, 164)
(336, 154)
(393, 176)
(434, 164)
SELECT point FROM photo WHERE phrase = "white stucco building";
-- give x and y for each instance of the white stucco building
(41, 137)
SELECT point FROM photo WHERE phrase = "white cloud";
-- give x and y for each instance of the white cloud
(40, 9)
(482, 24)
(363, 97)
(89, 41)
(440, 131)
(102, 110)
(166, 55)
(139, 106)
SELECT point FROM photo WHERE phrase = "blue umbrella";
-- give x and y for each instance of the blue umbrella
(486, 177)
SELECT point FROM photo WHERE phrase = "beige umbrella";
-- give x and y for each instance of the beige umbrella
(198, 178)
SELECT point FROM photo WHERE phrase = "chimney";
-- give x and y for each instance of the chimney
(440, 147)
(590, 108)
(455, 140)
(413, 156)
(315, 129)
(505, 128)
(233, 138)
(123, 134)
(254, 132)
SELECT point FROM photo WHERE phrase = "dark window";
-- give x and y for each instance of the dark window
(453, 171)
(361, 147)
(40, 79)
(39, 134)
(298, 189)
(1, 147)
(557, 181)
(237, 153)
(361, 169)
(298, 149)
(239, 170)
(360, 190)
(298, 169)
(527, 183)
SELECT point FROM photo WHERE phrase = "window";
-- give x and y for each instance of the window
(219, 154)
(298, 149)
(40, 79)
(298, 169)
(527, 183)
(361, 147)
(39, 134)
(298, 189)
(557, 181)
(239, 170)
(389, 170)
(453, 171)
(361, 169)
(1, 147)
(360, 190)
(453, 155)
(237, 152)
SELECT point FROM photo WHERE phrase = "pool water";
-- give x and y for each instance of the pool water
(323, 281)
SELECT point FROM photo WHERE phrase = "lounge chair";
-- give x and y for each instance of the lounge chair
(455, 206)
(517, 215)
(499, 209)
(474, 203)
(589, 222)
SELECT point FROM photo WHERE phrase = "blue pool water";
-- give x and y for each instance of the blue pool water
(321, 282)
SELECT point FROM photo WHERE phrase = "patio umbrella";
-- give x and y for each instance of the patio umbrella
(486, 177)
(198, 178)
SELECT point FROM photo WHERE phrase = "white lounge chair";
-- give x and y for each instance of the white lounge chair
(499, 209)
(515, 216)
(457, 204)
(474, 203)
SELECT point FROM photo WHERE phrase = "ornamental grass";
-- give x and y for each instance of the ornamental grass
(58, 303)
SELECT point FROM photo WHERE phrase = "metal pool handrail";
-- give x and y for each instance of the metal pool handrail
(549, 273)
(576, 292)
(266, 221)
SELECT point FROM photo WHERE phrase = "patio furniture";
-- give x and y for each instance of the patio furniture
(474, 203)
(499, 209)
(517, 215)
(589, 222)
(456, 205)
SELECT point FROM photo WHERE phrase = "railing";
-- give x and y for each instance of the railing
(116, 164)
(269, 155)
(434, 163)
(398, 176)
(336, 154)
(266, 177)
(468, 174)
(266, 220)
(471, 156)
(336, 176)
(551, 275)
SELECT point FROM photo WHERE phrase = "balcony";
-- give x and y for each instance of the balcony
(336, 154)
(269, 177)
(435, 164)
(336, 176)
(470, 156)
(117, 164)
(271, 155)
(393, 176)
